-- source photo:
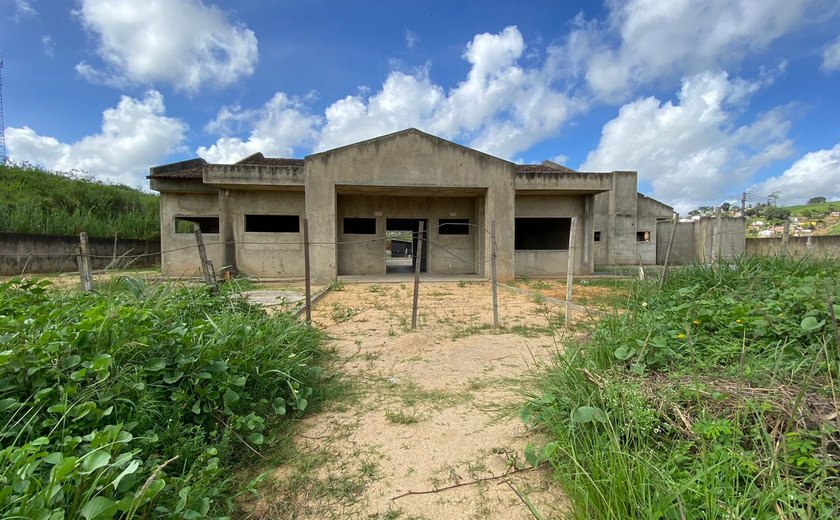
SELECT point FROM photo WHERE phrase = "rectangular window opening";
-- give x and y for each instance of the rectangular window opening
(359, 226)
(597, 236)
(643, 236)
(454, 226)
(272, 223)
(542, 233)
(207, 225)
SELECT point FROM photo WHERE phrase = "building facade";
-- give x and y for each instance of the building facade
(354, 197)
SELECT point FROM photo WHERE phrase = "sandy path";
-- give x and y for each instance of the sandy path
(427, 409)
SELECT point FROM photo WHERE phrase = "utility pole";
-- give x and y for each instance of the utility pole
(3, 155)
(743, 204)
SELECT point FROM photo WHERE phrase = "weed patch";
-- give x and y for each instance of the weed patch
(137, 401)
(712, 397)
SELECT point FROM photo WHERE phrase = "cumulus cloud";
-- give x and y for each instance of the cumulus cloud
(184, 43)
(643, 41)
(278, 128)
(501, 107)
(692, 151)
(815, 174)
(22, 9)
(134, 134)
(411, 39)
(831, 57)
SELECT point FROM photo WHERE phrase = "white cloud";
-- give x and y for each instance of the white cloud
(48, 44)
(184, 43)
(411, 39)
(134, 134)
(500, 108)
(815, 174)
(643, 41)
(23, 9)
(831, 57)
(692, 151)
(277, 129)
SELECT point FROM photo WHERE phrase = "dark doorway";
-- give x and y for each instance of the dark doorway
(406, 229)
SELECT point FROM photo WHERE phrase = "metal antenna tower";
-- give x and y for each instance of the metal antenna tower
(3, 156)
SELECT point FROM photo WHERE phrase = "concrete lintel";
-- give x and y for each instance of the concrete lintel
(253, 175)
(180, 186)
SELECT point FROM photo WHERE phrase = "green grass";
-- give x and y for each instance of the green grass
(824, 207)
(711, 397)
(55, 203)
(140, 401)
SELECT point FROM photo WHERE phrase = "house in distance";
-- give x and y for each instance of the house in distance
(251, 213)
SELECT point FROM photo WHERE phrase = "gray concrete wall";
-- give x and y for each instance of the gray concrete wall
(728, 243)
(648, 213)
(262, 254)
(548, 263)
(683, 251)
(22, 253)
(179, 255)
(818, 247)
(616, 217)
(446, 254)
(414, 161)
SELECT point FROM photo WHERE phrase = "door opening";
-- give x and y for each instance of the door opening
(401, 244)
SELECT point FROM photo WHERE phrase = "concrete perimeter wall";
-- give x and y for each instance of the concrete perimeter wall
(820, 247)
(24, 254)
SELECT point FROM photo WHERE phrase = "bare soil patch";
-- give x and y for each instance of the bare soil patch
(426, 409)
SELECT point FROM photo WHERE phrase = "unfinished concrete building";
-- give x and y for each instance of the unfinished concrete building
(354, 197)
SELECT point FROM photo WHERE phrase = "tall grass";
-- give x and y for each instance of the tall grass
(714, 397)
(41, 202)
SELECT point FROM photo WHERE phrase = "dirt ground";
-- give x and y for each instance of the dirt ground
(427, 409)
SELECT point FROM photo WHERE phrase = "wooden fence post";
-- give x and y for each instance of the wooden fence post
(306, 270)
(785, 236)
(206, 265)
(570, 269)
(668, 251)
(716, 235)
(418, 259)
(85, 274)
(493, 274)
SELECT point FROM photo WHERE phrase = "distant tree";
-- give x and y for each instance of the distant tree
(807, 213)
(776, 214)
(725, 206)
(816, 200)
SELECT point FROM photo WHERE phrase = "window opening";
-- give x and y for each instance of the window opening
(359, 226)
(542, 233)
(207, 225)
(454, 226)
(272, 223)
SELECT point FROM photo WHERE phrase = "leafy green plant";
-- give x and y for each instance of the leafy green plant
(137, 401)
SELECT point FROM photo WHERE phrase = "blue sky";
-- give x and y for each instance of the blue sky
(705, 99)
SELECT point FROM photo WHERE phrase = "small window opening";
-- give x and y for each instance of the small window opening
(272, 223)
(207, 225)
(643, 236)
(454, 226)
(542, 233)
(597, 236)
(359, 226)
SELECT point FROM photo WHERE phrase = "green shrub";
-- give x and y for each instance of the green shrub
(137, 402)
(696, 402)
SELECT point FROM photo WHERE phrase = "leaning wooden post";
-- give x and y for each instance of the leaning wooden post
(570, 269)
(206, 266)
(785, 236)
(85, 274)
(668, 251)
(418, 259)
(493, 274)
(306, 270)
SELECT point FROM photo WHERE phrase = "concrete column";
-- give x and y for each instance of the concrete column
(226, 235)
(321, 211)
(588, 234)
(500, 206)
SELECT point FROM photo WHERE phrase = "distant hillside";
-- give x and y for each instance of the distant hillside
(821, 208)
(54, 203)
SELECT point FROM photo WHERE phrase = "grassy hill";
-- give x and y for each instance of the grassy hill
(53, 203)
(824, 207)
